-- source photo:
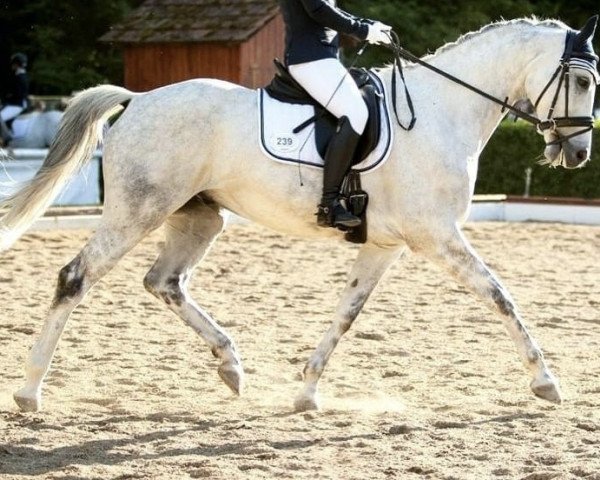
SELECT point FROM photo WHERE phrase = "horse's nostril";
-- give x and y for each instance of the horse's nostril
(582, 155)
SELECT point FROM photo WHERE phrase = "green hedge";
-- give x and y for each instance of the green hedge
(516, 146)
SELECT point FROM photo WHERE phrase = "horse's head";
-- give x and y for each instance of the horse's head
(563, 97)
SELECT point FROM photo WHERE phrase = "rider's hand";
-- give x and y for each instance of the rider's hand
(379, 33)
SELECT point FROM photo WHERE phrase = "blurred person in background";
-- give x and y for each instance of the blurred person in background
(15, 99)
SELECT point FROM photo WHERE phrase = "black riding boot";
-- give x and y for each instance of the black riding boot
(338, 159)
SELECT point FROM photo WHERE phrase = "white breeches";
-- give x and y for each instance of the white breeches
(320, 79)
(9, 112)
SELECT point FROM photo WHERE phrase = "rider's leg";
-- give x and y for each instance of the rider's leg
(328, 82)
(338, 160)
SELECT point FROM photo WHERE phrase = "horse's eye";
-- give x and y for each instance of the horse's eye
(583, 82)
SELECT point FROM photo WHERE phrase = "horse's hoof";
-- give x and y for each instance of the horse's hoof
(546, 387)
(304, 403)
(233, 376)
(28, 403)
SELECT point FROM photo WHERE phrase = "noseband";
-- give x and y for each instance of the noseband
(584, 60)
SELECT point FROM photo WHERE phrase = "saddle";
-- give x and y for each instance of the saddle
(284, 88)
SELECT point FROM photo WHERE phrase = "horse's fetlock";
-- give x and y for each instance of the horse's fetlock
(312, 369)
(224, 350)
(534, 357)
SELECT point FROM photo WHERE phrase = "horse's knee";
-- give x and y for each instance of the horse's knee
(174, 289)
(70, 282)
(170, 289)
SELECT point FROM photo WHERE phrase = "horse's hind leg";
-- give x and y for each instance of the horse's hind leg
(189, 235)
(371, 264)
(454, 252)
(104, 249)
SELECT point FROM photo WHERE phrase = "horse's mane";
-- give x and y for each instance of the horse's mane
(529, 22)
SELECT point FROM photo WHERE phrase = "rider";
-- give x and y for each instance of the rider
(15, 100)
(311, 55)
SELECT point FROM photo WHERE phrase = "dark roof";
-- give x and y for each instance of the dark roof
(161, 21)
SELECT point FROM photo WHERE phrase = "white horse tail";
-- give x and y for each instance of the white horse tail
(77, 138)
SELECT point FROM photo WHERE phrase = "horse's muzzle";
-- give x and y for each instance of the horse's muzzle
(568, 154)
(575, 154)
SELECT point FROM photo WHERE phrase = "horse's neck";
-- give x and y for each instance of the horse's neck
(496, 61)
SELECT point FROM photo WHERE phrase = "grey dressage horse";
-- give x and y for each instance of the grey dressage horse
(207, 159)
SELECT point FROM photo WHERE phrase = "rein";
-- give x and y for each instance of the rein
(562, 73)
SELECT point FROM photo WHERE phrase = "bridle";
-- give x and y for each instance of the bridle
(570, 59)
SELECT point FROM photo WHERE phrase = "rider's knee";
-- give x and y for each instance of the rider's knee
(358, 117)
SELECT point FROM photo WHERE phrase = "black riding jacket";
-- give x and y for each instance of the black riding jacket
(312, 28)
(18, 90)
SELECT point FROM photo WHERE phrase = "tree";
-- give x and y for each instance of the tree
(60, 39)
(425, 25)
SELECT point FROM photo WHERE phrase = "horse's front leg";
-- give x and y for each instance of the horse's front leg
(371, 264)
(452, 250)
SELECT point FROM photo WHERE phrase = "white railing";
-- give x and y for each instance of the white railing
(20, 164)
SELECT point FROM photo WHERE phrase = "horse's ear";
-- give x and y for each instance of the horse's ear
(587, 32)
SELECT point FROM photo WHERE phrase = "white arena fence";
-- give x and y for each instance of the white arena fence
(18, 165)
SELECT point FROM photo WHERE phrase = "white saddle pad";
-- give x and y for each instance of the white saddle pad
(277, 121)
